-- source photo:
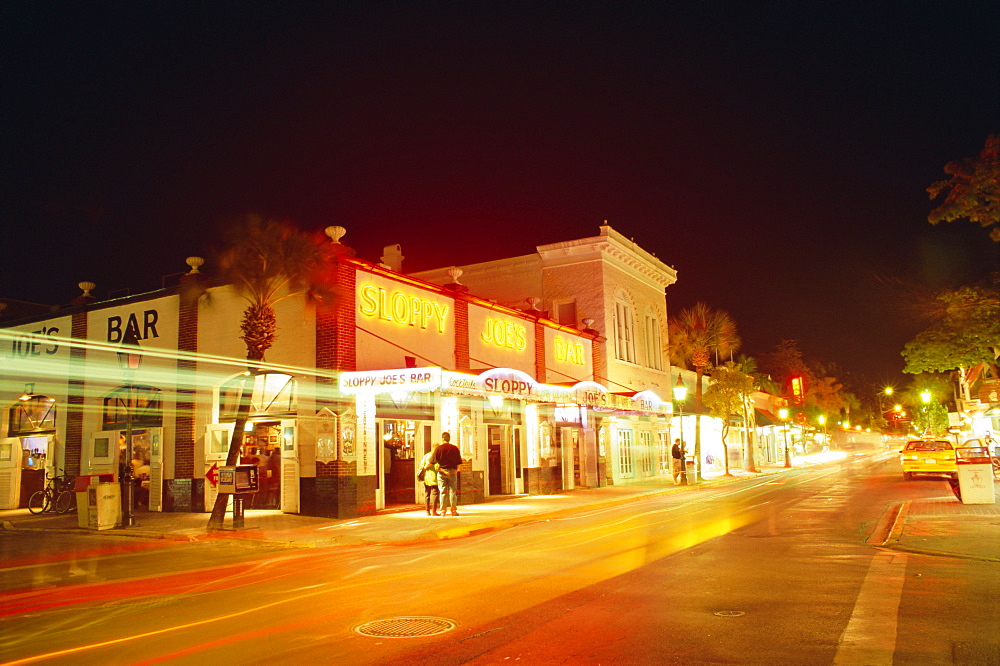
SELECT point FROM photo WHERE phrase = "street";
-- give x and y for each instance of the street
(782, 569)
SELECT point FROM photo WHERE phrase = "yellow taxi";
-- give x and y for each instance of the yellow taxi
(928, 456)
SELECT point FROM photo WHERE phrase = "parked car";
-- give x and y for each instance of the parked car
(928, 456)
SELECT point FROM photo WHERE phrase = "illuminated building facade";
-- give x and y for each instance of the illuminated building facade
(350, 398)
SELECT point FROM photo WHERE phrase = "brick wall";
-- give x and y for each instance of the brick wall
(187, 341)
(461, 334)
(73, 446)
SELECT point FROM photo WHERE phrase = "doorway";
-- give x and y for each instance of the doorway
(262, 448)
(397, 473)
(498, 455)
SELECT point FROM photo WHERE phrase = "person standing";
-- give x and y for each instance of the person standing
(677, 460)
(431, 494)
(447, 457)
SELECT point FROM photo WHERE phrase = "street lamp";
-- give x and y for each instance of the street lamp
(822, 422)
(925, 397)
(783, 415)
(129, 359)
(680, 394)
(887, 391)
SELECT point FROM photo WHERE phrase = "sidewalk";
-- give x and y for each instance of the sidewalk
(936, 526)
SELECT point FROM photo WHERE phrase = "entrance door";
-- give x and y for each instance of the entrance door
(289, 466)
(217, 439)
(498, 442)
(155, 469)
(571, 465)
(10, 472)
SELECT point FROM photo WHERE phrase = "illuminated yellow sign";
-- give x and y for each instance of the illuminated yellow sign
(569, 351)
(504, 334)
(401, 308)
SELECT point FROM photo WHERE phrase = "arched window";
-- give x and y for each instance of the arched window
(274, 393)
(144, 402)
(624, 330)
(32, 414)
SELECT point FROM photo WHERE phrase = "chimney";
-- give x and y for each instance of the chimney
(392, 256)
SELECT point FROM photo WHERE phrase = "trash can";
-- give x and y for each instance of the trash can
(975, 476)
(80, 486)
(104, 507)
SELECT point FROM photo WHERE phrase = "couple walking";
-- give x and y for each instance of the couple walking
(440, 475)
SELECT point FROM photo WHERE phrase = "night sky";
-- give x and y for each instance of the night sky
(775, 153)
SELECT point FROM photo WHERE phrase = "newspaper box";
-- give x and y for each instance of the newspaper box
(975, 475)
(238, 479)
(104, 507)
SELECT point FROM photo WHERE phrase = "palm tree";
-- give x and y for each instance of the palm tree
(695, 334)
(267, 261)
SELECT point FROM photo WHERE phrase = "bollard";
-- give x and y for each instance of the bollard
(238, 512)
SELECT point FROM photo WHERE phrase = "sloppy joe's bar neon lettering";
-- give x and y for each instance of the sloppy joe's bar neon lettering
(570, 352)
(401, 308)
(504, 334)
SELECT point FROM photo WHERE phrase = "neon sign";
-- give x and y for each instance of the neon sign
(504, 334)
(569, 351)
(401, 308)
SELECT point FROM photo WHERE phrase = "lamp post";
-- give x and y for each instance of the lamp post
(925, 397)
(887, 391)
(783, 415)
(822, 422)
(680, 394)
(129, 360)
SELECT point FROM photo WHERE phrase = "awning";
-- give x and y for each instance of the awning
(765, 418)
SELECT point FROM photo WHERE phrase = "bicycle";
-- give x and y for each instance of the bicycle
(57, 496)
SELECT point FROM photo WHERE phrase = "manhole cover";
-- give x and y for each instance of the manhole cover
(405, 627)
(730, 613)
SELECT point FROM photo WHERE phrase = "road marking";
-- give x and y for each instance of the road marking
(870, 636)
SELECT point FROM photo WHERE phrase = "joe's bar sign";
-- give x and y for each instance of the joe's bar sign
(390, 381)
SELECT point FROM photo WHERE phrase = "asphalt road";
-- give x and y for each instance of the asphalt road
(762, 571)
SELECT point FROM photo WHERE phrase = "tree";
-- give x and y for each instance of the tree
(964, 331)
(930, 419)
(973, 191)
(727, 397)
(267, 261)
(784, 363)
(695, 334)
(748, 366)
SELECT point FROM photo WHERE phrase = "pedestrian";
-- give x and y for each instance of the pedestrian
(428, 470)
(447, 457)
(677, 460)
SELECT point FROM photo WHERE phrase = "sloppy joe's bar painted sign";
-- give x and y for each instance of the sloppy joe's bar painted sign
(502, 382)
(390, 381)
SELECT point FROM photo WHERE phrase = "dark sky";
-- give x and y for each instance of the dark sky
(775, 153)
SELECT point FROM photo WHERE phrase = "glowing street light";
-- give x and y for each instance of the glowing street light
(680, 394)
(783, 415)
(925, 397)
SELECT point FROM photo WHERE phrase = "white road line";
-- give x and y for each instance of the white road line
(870, 636)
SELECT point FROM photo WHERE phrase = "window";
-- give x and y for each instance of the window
(625, 452)
(624, 333)
(566, 313)
(654, 350)
(646, 452)
(142, 403)
(664, 452)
